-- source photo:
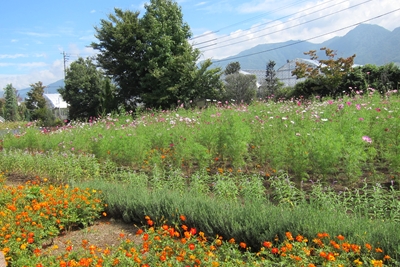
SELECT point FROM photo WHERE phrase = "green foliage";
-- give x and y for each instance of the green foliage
(240, 87)
(329, 72)
(271, 84)
(151, 59)
(11, 105)
(2, 107)
(35, 101)
(86, 90)
(232, 68)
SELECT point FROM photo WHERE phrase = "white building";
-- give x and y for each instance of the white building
(57, 105)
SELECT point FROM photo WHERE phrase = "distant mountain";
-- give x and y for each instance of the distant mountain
(372, 44)
(50, 89)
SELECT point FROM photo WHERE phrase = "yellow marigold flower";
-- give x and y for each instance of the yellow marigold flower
(378, 263)
(358, 262)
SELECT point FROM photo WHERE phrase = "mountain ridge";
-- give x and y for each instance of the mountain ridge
(371, 43)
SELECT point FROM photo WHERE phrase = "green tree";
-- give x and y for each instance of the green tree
(2, 107)
(150, 57)
(35, 100)
(271, 83)
(11, 105)
(329, 72)
(232, 68)
(240, 87)
(86, 90)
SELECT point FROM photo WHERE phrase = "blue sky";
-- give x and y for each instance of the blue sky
(34, 34)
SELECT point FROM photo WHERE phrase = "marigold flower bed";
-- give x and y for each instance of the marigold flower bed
(34, 213)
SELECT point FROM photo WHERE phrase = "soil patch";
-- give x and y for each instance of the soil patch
(105, 233)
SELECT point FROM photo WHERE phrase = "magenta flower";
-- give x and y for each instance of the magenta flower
(367, 139)
(358, 106)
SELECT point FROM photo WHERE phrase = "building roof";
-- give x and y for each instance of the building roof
(55, 101)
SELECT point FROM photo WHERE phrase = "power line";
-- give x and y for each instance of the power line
(308, 39)
(259, 36)
(284, 17)
(240, 22)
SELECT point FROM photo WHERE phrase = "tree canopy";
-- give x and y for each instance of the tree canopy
(241, 87)
(329, 73)
(87, 91)
(150, 58)
(11, 103)
(232, 68)
(35, 102)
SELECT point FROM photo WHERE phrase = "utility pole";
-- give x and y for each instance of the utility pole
(65, 57)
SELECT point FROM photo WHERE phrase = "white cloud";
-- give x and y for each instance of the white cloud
(12, 55)
(93, 11)
(39, 34)
(54, 73)
(300, 26)
(201, 4)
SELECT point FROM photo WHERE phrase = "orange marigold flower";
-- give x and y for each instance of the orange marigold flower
(150, 222)
(289, 236)
(378, 250)
(267, 244)
(340, 237)
(145, 237)
(311, 265)
(146, 218)
(139, 232)
(192, 246)
(232, 241)
(299, 238)
(242, 245)
(165, 227)
(184, 227)
(387, 257)
(193, 231)
(368, 246)
(274, 250)
(182, 217)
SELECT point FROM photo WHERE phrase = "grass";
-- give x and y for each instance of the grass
(252, 173)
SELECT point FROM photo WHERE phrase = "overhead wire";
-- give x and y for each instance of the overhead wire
(308, 39)
(284, 17)
(246, 20)
(293, 26)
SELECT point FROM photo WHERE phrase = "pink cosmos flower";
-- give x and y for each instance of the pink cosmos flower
(367, 139)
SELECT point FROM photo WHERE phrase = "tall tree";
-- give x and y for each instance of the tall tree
(271, 83)
(85, 89)
(329, 72)
(36, 101)
(11, 105)
(240, 87)
(232, 68)
(150, 57)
